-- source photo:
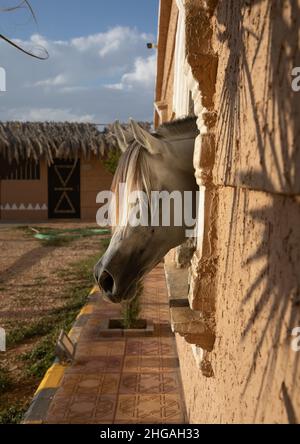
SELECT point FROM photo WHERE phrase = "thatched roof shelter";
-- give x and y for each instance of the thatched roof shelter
(25, 140)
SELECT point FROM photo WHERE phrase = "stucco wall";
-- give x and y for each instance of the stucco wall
(246, 160)
(94, 178)
(256, 373)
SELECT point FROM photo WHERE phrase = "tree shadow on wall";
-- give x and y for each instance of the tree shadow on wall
(281, 105)
(280, 109)
(275, 292)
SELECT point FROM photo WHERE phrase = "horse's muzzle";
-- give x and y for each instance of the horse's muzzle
(106, 282)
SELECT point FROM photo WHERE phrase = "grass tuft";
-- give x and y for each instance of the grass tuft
(131, 309)
(5, 380)
(13, 414)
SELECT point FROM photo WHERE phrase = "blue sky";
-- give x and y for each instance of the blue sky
(64, 19)
(99, 68)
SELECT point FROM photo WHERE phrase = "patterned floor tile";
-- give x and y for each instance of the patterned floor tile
(149, 383)
(144, 364)
(149, 408)
(124, 379)
(105, 383)
(98, 348)
(105, 410)
(101, 364)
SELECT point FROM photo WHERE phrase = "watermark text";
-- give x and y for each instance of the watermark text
(2, 80)
(2, 340)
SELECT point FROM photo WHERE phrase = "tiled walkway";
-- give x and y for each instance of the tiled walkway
(123, 380)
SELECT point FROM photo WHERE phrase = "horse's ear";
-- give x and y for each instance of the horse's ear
(123, 136)
(144, 138)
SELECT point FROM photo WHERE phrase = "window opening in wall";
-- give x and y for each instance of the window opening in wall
(27, 169)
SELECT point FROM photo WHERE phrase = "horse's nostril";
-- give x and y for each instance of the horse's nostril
(106, 281)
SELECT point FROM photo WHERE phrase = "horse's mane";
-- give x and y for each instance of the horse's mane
(133, 168)
(179, 128)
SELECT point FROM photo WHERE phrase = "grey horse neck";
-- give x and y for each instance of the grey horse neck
(181, 136)
(179, 129)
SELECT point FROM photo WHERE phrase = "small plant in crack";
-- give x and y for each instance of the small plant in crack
(131, 309)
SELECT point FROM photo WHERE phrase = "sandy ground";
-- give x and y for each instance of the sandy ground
(29, 286)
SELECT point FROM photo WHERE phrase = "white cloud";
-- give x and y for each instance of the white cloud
(110, 41)
(51, 114)
(73, 89)
(117, 86)
(58, 80)
(142, 74)
(39, 40)
(102, 77)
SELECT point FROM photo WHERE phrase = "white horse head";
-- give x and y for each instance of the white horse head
(159, 164)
